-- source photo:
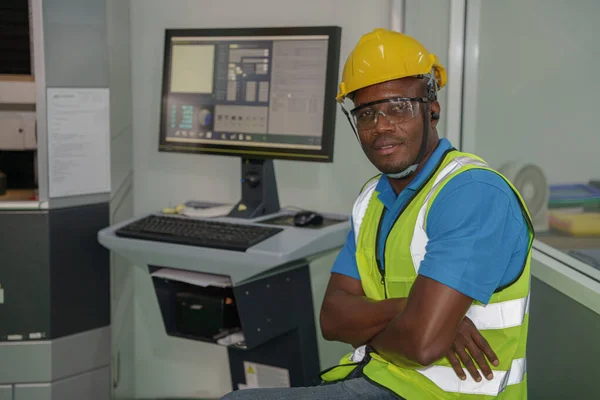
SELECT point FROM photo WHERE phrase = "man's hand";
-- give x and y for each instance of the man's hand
(469, 345)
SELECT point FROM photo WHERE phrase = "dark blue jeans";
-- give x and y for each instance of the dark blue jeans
(357, 388)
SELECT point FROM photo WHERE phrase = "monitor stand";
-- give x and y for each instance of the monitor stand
(259, 190)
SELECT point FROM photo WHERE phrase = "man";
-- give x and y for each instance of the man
(436, 266)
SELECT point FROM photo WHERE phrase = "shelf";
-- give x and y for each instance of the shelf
(17, 89)
(566, 243)
(19, 195)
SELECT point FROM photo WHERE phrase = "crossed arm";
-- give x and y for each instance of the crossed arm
(410, 332)
(350, 317)
(424, 331)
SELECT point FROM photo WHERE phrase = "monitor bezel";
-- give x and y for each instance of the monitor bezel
(325, 154)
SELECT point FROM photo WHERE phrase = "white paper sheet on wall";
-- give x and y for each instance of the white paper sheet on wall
(78, 141)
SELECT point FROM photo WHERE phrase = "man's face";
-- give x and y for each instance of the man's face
(393, 147)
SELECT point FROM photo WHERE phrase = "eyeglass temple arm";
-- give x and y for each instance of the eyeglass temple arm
(350, 121)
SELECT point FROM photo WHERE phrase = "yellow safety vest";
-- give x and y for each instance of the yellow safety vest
(503, 321)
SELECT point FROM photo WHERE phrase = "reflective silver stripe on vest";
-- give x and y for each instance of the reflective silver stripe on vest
(499, 315)
(419, 242)
(446, 379)
(360, 206)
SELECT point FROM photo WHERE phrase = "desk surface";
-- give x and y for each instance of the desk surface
(564, 242)
(282, 250)
(576, 247)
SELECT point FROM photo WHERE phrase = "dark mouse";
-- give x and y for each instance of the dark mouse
(306, 218)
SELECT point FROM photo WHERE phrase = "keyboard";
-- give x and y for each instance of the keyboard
(196, 232)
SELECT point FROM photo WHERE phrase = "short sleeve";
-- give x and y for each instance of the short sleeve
(345, 263)
(474, 227)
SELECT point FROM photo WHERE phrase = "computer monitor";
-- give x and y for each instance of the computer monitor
(257, 93)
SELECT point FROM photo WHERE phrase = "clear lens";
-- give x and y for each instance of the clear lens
(395, 110)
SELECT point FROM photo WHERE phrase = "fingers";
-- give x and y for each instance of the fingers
(473, 351)
(468, 363)
(484, 345)
(456, 366)
(479, 357)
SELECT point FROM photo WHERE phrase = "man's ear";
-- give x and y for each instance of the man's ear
(434, 116)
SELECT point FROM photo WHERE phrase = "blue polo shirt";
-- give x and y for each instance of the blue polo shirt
(478, 236)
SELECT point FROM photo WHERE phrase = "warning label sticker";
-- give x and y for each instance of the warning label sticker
(265, 376)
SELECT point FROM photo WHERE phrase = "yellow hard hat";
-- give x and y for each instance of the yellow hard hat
(384, 55)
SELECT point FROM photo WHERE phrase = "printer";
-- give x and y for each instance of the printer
(18, 139)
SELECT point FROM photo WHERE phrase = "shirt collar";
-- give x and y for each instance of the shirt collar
(387, 195)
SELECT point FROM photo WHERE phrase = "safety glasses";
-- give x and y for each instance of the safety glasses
(395, 110)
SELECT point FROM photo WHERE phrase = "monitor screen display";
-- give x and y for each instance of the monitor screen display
(256, 93)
